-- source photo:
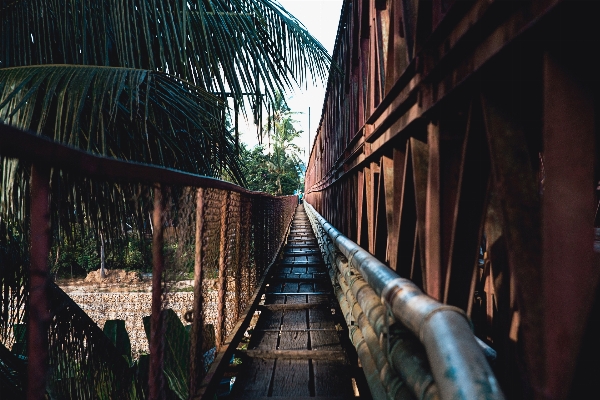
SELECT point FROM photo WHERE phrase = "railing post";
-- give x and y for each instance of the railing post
(196, 361)
(236, 260)
(39, 315)
(257, 221)
(156, 376)
(223, 248)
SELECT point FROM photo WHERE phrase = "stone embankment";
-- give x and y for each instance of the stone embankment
(130, 299)
(132, 307)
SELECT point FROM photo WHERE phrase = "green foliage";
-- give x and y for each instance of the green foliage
(133, 80)
(125, 84)
(261, 176)
(79, 253)
(13, 375)
(143, 373)
(116, 332)
(277, 170)
(177, 352)
(19, 347)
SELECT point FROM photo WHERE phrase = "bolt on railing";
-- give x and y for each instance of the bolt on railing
(409, 344)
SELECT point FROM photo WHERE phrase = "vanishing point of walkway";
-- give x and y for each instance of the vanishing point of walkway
(297, 347)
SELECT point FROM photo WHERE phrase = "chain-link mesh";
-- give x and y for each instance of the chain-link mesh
(240, 235)
(222, 239)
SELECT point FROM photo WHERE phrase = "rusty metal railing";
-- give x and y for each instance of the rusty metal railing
(228, 234)
(409, 344)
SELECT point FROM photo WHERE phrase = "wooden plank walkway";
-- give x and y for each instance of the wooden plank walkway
(297, 349)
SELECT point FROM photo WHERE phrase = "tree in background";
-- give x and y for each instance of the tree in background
(284, 160)
(138, 80)
(260, 175)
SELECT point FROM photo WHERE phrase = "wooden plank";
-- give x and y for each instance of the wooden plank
(330, 377)
(297, 278)
(304, 355)
(279, 360)
(318, 260)
(274, 298)
(298, 397)
(211, 380)
(301, 251)
(292, 373)
(283, 307)
(255, 377)
(298, 294)
(311, 272)
(305, 264)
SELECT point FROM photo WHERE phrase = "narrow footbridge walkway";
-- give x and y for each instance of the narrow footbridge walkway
(297, 348)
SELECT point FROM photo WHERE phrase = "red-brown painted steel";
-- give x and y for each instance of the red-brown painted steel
(156, 380)
(261, 220)
(468, 153)
(39, 315)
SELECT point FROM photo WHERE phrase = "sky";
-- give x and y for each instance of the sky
(321, 18)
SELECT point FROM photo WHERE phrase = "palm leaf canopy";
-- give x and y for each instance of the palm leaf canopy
(219, 45)
(135, 115)
(144, 80)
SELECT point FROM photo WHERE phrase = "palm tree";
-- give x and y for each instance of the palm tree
(82, 72)
(145, 80)
(138, 80)
(284, 153)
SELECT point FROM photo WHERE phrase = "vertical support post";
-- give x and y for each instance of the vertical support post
(433, 255)
(156, 376)
(420, 169)
(222, 296)
(196, 362)
(309, 148)
(257, 232)
(568, 266)
(517, 188)
(39, 316)
(236, 261)
(236, 108)
(360, 238)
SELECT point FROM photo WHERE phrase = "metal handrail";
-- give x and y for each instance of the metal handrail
(41, 150)
(268, 215)
(457, 361)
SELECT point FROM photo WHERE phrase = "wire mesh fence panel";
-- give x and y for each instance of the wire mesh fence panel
(206, 243)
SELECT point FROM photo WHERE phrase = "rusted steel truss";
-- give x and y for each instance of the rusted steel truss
(459, 147)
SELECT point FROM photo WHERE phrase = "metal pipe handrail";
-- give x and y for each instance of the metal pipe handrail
(401, 359)
(458, 364)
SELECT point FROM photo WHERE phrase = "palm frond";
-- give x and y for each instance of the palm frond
(220, 45)
(134, 115)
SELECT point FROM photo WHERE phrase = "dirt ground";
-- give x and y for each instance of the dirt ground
(117, 280)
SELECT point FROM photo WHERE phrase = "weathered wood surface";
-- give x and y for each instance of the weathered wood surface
(296, 349)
